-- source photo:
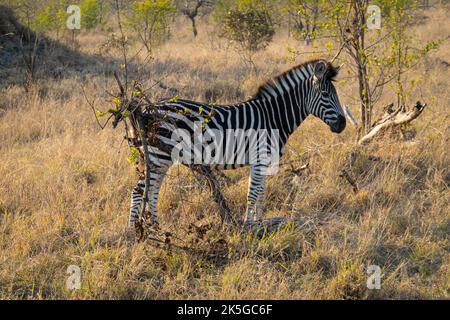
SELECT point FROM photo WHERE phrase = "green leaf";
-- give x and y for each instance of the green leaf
(99, 113)
(133, 158)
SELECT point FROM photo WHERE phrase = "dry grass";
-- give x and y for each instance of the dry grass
(65, 185)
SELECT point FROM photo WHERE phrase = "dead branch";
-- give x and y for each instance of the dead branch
(119, 83)
(146, 160)
(223, 177)
(344, 174)
(214, 185)
(92, 106)
(338, 53)
(299, 170)
(350, 116)
(392, 118)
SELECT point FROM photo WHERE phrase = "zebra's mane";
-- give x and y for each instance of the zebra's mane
(274, 83)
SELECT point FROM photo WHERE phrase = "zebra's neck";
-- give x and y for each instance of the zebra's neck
(285, 98)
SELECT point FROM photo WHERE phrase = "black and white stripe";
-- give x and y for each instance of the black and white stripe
(281, 104)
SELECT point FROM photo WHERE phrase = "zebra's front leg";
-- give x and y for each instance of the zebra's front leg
(259, 205)
(255, 196)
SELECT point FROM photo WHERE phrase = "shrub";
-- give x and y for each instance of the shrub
(92, 12)
(50, 18)
(248, 24)
(149, 19)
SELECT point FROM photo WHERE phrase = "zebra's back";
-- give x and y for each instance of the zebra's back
(224, 137)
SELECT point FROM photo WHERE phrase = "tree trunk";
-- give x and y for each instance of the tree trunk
(360, 58)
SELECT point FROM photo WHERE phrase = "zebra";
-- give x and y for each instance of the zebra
(280, 104)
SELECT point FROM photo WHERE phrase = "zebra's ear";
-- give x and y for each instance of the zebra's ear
(319, 69)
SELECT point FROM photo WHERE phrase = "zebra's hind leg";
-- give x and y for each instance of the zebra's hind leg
(136, 201)
(255, 194)
(158, 168)
(157, 174)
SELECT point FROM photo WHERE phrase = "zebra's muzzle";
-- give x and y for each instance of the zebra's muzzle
(339, 125)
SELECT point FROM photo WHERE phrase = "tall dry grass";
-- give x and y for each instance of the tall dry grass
(65, 186)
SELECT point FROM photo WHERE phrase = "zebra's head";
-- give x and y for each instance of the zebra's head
(324, 102)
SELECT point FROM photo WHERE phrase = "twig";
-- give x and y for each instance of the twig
(147, 163)
(122, 90)
(339, 52)
(350, 180)
(350, 116)
(225, 212)
(91, 105)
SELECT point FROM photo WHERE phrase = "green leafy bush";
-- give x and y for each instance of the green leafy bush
(92, 13)
(149, 20)
(49, 18)
(248, 24)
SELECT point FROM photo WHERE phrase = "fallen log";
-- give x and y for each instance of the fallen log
(391, 119)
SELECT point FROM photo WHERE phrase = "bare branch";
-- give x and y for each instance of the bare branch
(339, 52)
(349, 115)
(393, 119)
(119, 83)
(344, 174)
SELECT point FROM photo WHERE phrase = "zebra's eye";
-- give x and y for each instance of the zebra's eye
(325, 94)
